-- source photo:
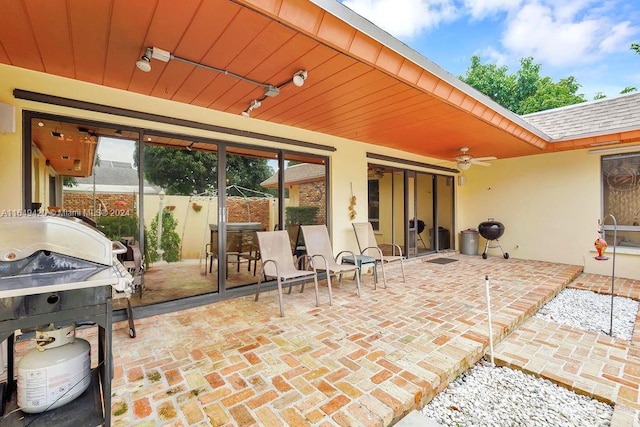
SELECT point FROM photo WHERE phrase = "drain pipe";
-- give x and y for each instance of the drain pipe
(486, 285)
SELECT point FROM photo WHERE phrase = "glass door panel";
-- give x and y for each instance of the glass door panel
(423, 212)
(251, 201)
(180, 210)
(444, 213)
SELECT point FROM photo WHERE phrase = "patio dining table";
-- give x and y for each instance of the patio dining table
(240, 240)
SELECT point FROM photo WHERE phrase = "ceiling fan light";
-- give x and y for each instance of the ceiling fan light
(464, 165)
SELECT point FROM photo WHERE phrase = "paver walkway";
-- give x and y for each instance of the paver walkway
(365, 361)
(593, 364)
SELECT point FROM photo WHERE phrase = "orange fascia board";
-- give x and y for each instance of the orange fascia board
(305, 16)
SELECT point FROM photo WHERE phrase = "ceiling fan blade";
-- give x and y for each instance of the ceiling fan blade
(482, 159)
(480, 163)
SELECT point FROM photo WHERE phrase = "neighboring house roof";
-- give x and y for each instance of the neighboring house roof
(601, 117)
(113, 177)
(297, 174)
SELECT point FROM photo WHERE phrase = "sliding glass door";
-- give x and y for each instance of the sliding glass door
(411, 209)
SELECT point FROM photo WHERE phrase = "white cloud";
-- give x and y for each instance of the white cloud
(561, 33)
(405, 18)
(493, 56)
(479, 9)
(618, 39)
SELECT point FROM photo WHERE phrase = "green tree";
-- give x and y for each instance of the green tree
(524, 91)
(195, 172)
(636, 47)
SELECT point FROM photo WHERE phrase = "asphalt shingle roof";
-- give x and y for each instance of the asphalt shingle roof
(303, 172)
(589, 118)
(112, 176)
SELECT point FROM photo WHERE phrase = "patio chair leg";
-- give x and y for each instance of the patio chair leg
(358, 283)
(384, 275)
(329, 286)
(315, 283)
(402, 267)
(259, 281)
(280, 300)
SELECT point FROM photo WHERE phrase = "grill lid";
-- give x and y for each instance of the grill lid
(23, 236)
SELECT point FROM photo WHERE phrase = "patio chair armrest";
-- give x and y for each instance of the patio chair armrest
(275, 263)
(324, 260)
(395, 246)
(308, 257)
(375, 248)
(350, 253)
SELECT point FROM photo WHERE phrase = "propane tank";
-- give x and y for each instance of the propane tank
(55, 372)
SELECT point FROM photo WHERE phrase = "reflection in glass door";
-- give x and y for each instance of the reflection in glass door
(422, 215)
(180, 206)
(428, 202)
(250, 206)
(444, 203)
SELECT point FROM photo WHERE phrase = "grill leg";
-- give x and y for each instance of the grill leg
(484, 253)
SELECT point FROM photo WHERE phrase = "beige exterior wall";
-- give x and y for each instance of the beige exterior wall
(549, 203)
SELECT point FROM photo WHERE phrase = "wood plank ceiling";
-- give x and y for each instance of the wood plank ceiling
(346, 95)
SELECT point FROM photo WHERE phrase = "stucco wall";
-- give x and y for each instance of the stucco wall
(549, 203)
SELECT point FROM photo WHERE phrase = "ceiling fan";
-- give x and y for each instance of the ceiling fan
(465, 160)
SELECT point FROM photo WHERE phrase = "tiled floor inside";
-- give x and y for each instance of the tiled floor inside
(365, 361)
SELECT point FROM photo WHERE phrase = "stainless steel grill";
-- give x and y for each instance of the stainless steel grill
(60, 270)
(41, 254)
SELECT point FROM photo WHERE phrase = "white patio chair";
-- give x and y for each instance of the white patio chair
(369, 246)
(277, 262)
(318, 246)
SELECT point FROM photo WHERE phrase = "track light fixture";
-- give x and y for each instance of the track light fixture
(299, 78)
(270, 90)
(254, 104)
(144, 63)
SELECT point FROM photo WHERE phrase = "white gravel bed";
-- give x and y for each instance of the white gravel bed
(487, 396)
(591, 311)
(494, 397)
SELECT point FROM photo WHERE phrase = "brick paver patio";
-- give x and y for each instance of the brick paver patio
(364, 361)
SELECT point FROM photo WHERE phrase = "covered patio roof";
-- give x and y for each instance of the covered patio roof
(362, 83)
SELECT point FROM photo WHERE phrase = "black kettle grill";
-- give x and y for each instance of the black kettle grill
(492, 230)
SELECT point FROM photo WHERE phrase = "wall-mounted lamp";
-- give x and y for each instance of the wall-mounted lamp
(188, 147)
(77, 165)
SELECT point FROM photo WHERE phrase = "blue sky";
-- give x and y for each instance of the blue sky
(586, 39)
